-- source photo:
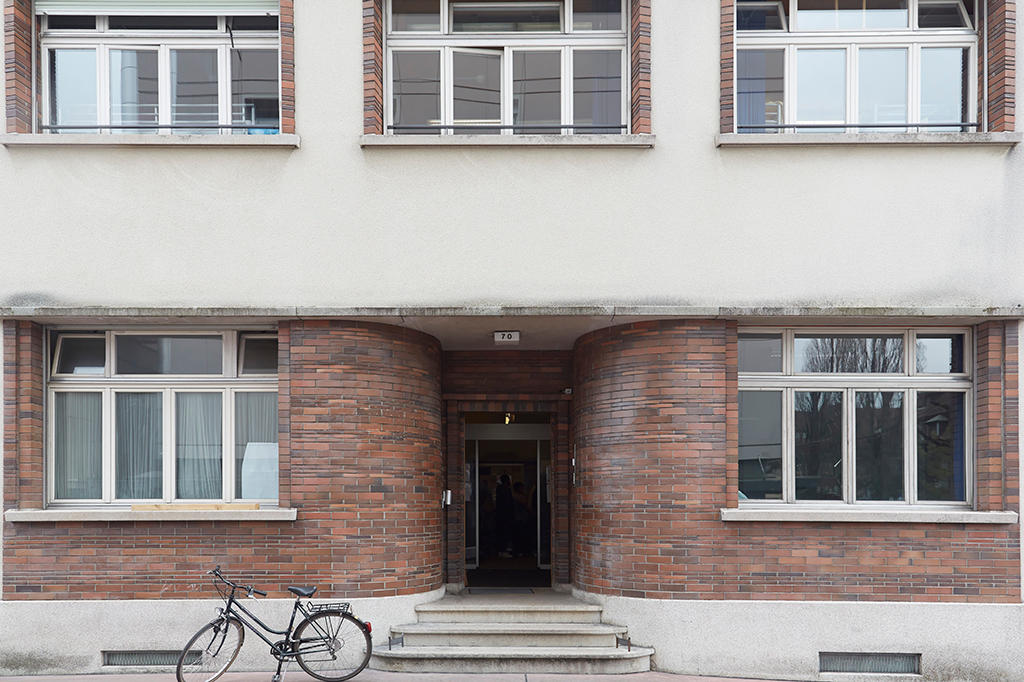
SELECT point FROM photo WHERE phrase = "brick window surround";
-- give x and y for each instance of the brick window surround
(18, 66)
(1002, 61)
(639, 56)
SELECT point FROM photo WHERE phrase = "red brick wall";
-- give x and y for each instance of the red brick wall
(17, 43)
(727, 65)
(361, 462)
(507, 372)
(287, 24)
(656, 451)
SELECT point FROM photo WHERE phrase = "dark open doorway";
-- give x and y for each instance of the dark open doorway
(508, 504)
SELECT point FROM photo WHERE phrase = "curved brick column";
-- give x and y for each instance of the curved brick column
(364, 454)
(651, 444)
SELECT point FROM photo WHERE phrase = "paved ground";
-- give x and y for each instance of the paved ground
(375, 676)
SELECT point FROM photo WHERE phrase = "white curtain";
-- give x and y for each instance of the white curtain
(138, 437)
(256, 436)
(199, 446)
(78, 443)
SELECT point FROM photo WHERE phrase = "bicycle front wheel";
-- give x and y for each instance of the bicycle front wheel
(210, 651)
(332, 646)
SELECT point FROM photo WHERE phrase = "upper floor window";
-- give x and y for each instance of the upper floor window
(162, 417)
(508, 67)
(855, 416)
(154, 72)
(856, 65)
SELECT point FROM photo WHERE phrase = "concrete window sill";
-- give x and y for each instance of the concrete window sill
(577, 141)
(93, 140)
(124, 514)
(862, 515)
(1005, 140)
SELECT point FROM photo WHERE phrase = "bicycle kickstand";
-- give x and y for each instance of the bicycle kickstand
(278, 676)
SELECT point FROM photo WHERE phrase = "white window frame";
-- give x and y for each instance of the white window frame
(909, 382)
(446, 43)
(102, 40)
(912, 39)
(228, 384)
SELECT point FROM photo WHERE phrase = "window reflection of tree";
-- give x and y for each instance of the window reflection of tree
(853, 354)
(819, 452)
(879, 445)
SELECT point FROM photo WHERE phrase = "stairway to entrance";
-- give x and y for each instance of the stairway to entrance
(539, 632)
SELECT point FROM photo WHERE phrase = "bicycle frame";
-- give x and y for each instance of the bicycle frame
(292, 648)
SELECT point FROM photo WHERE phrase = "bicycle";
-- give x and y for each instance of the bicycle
(329, 642)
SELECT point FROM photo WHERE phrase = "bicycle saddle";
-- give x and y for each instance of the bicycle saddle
(302, 591)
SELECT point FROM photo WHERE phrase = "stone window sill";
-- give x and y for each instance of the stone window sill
(577, 141)
(1005, 140)
(112, 141)
(865, 515)
(126, 514)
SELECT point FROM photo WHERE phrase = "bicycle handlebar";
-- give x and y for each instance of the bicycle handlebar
(249, 589)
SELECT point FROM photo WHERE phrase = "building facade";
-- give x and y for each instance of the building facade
(707, 312)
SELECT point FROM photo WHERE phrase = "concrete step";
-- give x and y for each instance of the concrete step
(513, 659)
(509, 634)
(458, 611)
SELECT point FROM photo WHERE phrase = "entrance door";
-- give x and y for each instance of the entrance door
(508, 504)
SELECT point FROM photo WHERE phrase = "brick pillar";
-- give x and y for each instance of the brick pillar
(727, 63)
(24, 477)
(287, 28)
(652, 411)
(18, 65)
(1002, 65)
(640, 65)
(373, 67)
(364, 451)
(996, 456)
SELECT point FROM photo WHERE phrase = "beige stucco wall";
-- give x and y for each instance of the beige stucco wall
(332, 224)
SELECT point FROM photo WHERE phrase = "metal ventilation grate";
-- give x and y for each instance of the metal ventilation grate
(130, 658)
(893, 664)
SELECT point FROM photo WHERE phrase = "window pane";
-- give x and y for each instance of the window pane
(940, 353)
(760, 445)
(82, 356)
(759, 89)
(537, 91)
(259, 355)
(597, 91)
(253, 23)
(198, 450)
(56, 22)
(193, 354)
(597, 15)
(138, 442)
(818, 437)
(879, 445)
(163, 23)
(415, 15)
(78, 446)
(840, 354)
(821, 86)
(851, 14)
(133, 89)
(760, 16)
(417, 91)
(944, 91)
(497, 18)
(760, 352)
(194, 89)
(254, 90)
(940, 447)
(951, 14)
(477, 91)
(256, 446)
(883, 87)
(73, 89)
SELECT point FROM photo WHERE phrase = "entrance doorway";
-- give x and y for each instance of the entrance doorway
(508, 503)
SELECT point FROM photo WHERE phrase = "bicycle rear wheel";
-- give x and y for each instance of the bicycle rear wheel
(332, 646)
(210, 651)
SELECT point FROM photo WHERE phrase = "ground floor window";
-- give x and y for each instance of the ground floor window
(162, 417)
(878, 416)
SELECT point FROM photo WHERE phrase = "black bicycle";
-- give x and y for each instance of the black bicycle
(329, 642)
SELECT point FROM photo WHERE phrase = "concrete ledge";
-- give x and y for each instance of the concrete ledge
(52, 515)
(885, 139)
(578, 141)
(847, 312)
(833, 515)
(148, 140)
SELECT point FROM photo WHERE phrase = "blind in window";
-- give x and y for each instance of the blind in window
(161, 7)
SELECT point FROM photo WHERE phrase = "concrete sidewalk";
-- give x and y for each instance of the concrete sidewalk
(377, 676)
